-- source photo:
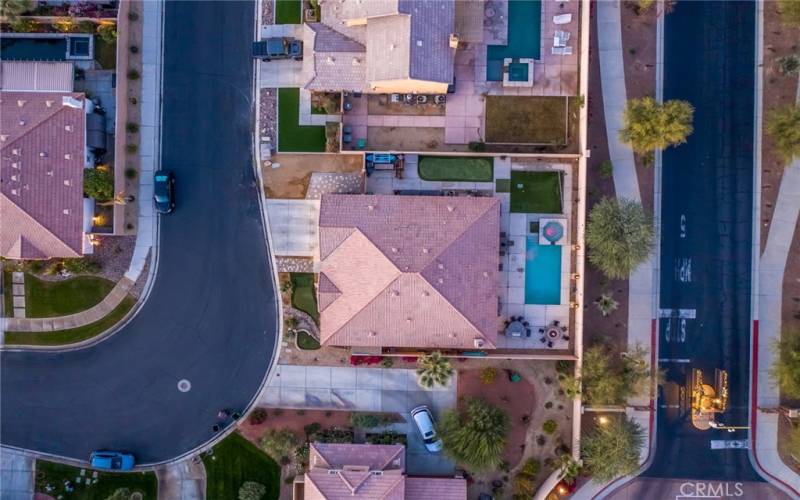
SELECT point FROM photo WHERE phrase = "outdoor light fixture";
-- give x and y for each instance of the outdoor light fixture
(602, 420)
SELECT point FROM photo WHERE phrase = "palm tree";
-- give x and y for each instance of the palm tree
(475, 434)
(119, 199)
(434, 369)
(606, 304)
(650, 125)
(612, 449)
(619, 236)
(786, 370)
(11, 9)
(569, 468)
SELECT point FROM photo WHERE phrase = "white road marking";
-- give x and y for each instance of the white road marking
(729, 444)
(681, 313)
(683, 226)
(674, 360)
(184, 385)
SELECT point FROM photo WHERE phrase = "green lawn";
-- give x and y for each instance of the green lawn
(46, 299)
(105, 53)
(526, 120)
(291, 136)
(54, 474)
(502, 185)
(287, 11)
(304, 296)
(536, 192)
(63, 337)
(8, 297)
(306, 342)
(455, 169)
(236, 460)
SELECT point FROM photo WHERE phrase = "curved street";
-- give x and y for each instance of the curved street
(211, 315)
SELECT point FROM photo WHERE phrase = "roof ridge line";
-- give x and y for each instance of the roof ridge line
(39, 224)
(42, 121)
(452, 306)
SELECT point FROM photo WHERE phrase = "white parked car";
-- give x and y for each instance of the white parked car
(423, 418)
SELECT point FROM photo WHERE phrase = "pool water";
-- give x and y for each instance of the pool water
(542, 272)
(524, 37)
(34, 49)
(518, 72)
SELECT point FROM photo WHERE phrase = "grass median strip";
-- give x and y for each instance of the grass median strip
(235, 461)
(72, 335)
(455, 169)
(48, 299)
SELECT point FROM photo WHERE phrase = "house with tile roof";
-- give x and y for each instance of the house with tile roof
(369, 471)
(408, 271)
(381, 46)
(43, 213)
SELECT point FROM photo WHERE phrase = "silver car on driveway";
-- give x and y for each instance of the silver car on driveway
(423, 418)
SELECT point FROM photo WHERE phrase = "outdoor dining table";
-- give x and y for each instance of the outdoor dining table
(553, 333)
(515, 329)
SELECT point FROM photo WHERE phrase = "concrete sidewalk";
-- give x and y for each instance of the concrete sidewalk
(108, 304)
(184, 480)
(16, 475)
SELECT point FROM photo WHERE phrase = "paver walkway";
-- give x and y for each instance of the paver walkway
(184, 480)
(18, 293)
(16, 475)
(101, 310)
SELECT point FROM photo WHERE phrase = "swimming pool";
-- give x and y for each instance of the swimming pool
(524, 37)
(542, 272)
(46, 47)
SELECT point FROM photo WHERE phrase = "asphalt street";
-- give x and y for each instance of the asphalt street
(707, 187)
(211, 316)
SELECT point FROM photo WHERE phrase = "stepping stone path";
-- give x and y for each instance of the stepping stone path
(18, 292)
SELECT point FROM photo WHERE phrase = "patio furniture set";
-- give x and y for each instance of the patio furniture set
(518, 327)
(561, 37)
(417, 99)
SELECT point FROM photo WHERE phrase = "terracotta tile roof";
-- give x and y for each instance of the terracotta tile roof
(374, 472)
(435, 487)
(411, 271)
(42, 144)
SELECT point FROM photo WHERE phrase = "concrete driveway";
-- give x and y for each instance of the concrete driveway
(365, 389)
(16, 475)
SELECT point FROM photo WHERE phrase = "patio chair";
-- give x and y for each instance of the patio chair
(541, 330)
(550, 344)
(362, 143)
(347, 138)
(347, 129)
(542, 340)
(565, 337)
(556, 322)
(422, 99)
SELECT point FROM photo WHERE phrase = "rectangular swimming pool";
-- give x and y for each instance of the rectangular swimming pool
(524, 37)
(542, 272)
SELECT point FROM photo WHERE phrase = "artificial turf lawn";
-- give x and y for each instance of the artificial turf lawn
(8, 294)
(47, 299)
(303, 295)
(105, 53)
(526, 120)
(306, 342)
(55, 474)
(292, 137)
(287, 11)
(64, 337)
(236, 460)
(536, 192)
(455, 169)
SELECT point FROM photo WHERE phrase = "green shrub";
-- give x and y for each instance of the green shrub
(133, 74)
(549, 427)
(85, 265)
(132, 127)
(107, 32)
(85, 27)
(477, 146)
(785, 371)
(606, 170)
(525, 480)
(257, 416)
(790, 12)
(312, 428)
(133, 15)
(650, 125)
(23, 25)
(278, 443)
(475, 434)
(387, 362)
(132, 148)
(131, 173)
(64, 25)
(612, 450)
(488, 375)
(388, 437)
(789, 65)
(252, 490)
(368, 420)
(619, 236)
(783, 125)
(98, 183)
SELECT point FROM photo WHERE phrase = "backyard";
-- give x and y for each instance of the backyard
(291, 179)
(236, 460)
(455, 169)
(53, 478)
(292, 137)
(72, 335)
(526, 120)
(47, 299)
(304, 296)
(536, 192)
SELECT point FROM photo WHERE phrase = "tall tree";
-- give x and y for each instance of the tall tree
(786, 370)
(612, 449)
(650, 125)
(434, 369)
(619, 236)
(783, 124)
(12, 9)
(475, 434)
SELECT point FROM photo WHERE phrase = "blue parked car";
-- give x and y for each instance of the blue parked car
(112, 460)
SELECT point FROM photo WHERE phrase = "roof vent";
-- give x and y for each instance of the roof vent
(15, 151)
(15, 192)
(14, 177)
(440, 265)
(67, 182)
(440, 280)
(370, 207)
(356, 61)
(395, 293)
(3, 137)
(485, 274)
(425, 250)
(51, 172)
(478, 343)
(15, 165)
(332, 472)
(67, 156)
(450, 208)
(22, 123)
(68, 128)
(42, 154)
(21, 103)
(71, 102)
(49, 103)
(419, 43)
(65, 211)
(409, 320)
(330, 60)
(394, 249)
(425, 293)
(453, 40)
(392, 46)
(452, 335)
(372, 334)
